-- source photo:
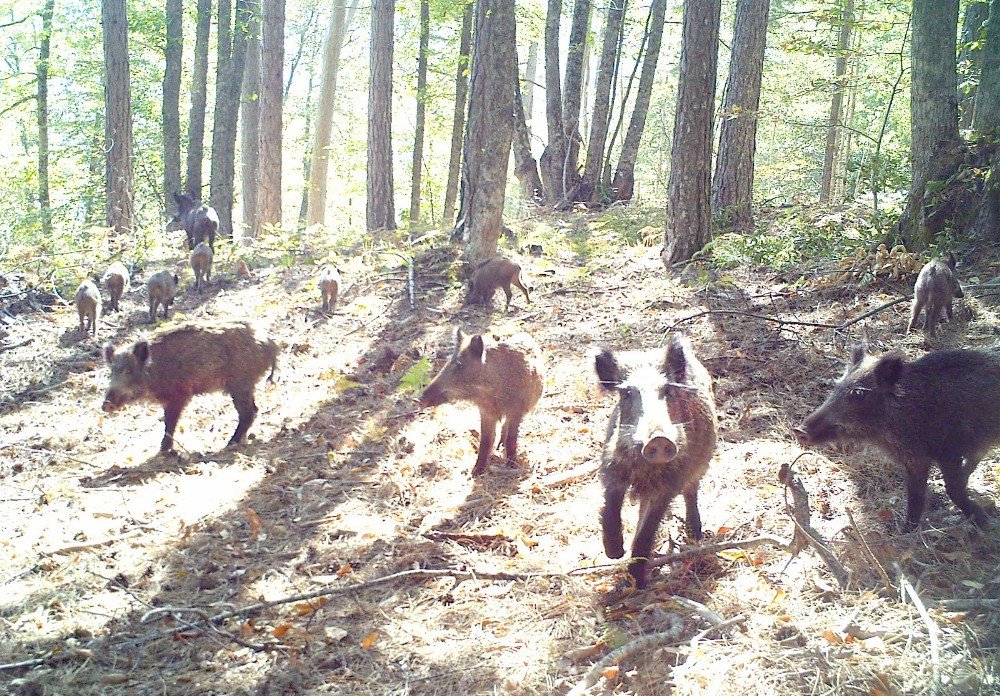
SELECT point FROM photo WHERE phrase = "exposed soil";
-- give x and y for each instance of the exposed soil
(344, 481)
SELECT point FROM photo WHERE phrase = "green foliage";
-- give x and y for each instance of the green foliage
(417, 377)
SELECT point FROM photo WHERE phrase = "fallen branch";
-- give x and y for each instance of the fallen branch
(968, 604)
(23, 663)
(804, 533)
(878, 309)
(90, 544)
(905, 588)
(563, 478)
(763, 540)
(12, 346)
(698, 608)
(856, 532)
(721, 626)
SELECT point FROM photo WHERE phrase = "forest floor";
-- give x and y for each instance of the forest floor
(113, 556)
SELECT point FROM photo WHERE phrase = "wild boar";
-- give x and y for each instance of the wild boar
(200, 221)
(201, 264)
(936, 286)
(328, 282)
(116, 280)
(88, 306)
(498, 272)
(162, 287)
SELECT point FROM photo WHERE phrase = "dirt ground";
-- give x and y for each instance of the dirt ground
(114, 557)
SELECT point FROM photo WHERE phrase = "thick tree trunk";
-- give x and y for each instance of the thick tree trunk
(171, 104)
(623, 184)
(199, 92)
(732, 186)
(381, 214)
(488, 132)
(689, 215)
(836, 103)
(602, 102)
(418, 131)
(987, 110)
(250, 122)
(120, 206)
(458, 122)
(45, 50)
(319, 169)
(232, 50)
(272, 60)
(530, 73)
(970, 60)
(933, 112)
(525, 166)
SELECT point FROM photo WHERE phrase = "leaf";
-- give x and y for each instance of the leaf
(368, 641)
(280, 630)
(832, 637)
(255, 525)
(344, 569)
(416, 379)
(611, 673)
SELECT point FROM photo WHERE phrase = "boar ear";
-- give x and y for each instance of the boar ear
(952, 261)
(459, 338)
(176, 279)
(141, 351)
(476, 348)
(609, 372)
(858, 353)
(109, 352)
(889, 369)
(675, 362)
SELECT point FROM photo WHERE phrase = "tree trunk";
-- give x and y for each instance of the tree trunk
(732, 186)
(689, 215)
(458, 123)
(381, 213)
(319, 169)
(171, 104)
(307, 155)
(530, 73)
(970, 60)
(834, 124)
(602, 102)
(199, 82)
(232, 50)
(272, 60)
(623, 184)
(987, 109)
(44, 203)
(525, 166)
(488, 132)
(418, 131)
(250, 122)
(933, 111)
(120, 206)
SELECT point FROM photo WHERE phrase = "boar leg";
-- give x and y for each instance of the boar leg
(509, 437)
(611, 518)
(245, 406)
(692, 518)
(650, 514)
(509, 294)
(171, 412)
(916, 492)
(517, 282)
(918, 304)
(956, 484)
(948, 310)
(487, 436)
(932, 316)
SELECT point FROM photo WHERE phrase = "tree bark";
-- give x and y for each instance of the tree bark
(623, 184)
(272, 60)
(836, 103)
(232, 50)
(987, 109)
(458, 122)
(488, 132)
(45, 50)
(732, 186)
(381, 214)
(970, 60)
(418, 133)
(319, 168)
(199, 92)
(120, 206)
(250, 122)
(530, 73)
(525, 165)
(600, 119)
(689, 215)
(171, 104)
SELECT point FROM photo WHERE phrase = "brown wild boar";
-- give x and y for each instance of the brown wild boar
(498, 272)
(328, 282)
(934, 291)
(162, 287)
(116, 280)
(503, 380)
(659, 442)
(201, 264)
(192, 359)
(939, 409)
(88, 306)
(200, 221)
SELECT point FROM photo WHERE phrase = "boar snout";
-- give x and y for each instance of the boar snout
(431, 397)
(109, 406)
(659, 449)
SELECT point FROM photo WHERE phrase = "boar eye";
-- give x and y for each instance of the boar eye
(859, 393)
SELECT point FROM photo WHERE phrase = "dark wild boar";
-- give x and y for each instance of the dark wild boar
(934, 291)
(116, 280)
(328, 282)
(162, 288)
(200, 221)
(659, 442)
(88, 306)
(498, 272)
(191, 359)
(939, 409)
(201, 264)
(504, 380)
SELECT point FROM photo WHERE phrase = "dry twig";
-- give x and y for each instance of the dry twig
(752, 543)
(856, 532)
(906, 588)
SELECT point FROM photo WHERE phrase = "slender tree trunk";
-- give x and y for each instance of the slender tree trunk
(525, 166)
(836, 103)
(530, 73)
(458, 122)
(171, 104)
(418, 134)
(320, 167)
(689, 215)
(381, 213)
(970, 60)
(623, 184)
(586, 75)
(732, 187)
(602, 101)
(488, 132)
(120, 204)
(232, 50)
(199, 92)
(987, 109)
(307, 155)
(272, 60)
(250, 122)
(45, 50)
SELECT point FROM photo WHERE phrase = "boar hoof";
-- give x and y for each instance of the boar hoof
(639, 571)
(478, 470)
(614, 549)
